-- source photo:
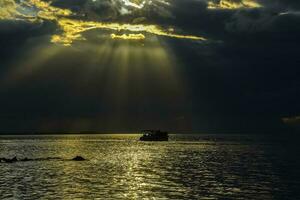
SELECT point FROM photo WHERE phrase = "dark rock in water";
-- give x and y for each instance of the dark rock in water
(14, 159)
(25, 159)
(7, 160)
(53, 158)
(78, 158)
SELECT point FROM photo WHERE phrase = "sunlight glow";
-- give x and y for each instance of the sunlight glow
(128, 37)
(136, 4)
(121, 57)
(72, 29)
(46, 11)
(229, 4)
(7, 8)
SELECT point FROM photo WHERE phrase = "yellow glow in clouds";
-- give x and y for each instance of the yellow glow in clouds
(128, 37)
(230, 4)
(72, 29)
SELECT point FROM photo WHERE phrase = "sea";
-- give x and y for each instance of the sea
(119, 166)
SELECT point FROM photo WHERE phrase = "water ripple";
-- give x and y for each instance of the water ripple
(123, 168)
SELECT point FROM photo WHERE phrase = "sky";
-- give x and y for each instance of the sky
(203, 66)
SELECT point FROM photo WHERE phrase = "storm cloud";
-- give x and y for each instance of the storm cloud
(200, 66)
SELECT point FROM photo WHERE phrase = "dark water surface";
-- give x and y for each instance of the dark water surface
(120, 167)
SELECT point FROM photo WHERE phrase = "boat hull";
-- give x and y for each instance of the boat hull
(154, 135)
(154, 139)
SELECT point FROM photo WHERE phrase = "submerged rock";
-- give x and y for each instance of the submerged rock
(26, 159)
(14, 159)
(7, 160)
(78, 158)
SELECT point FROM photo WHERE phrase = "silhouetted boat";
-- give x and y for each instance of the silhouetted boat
(154, 135)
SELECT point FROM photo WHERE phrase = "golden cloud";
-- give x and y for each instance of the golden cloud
(72, 29)
(230, 4)
(128, 37)
(7, 9)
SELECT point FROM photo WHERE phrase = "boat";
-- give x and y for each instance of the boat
(154, 135)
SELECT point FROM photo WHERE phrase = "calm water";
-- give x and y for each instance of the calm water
(120, 167)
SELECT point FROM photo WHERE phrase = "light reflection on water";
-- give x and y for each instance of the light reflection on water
(120, 167)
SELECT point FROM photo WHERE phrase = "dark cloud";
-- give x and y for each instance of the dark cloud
(244, 78)
(13, 35)
(282, 4)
